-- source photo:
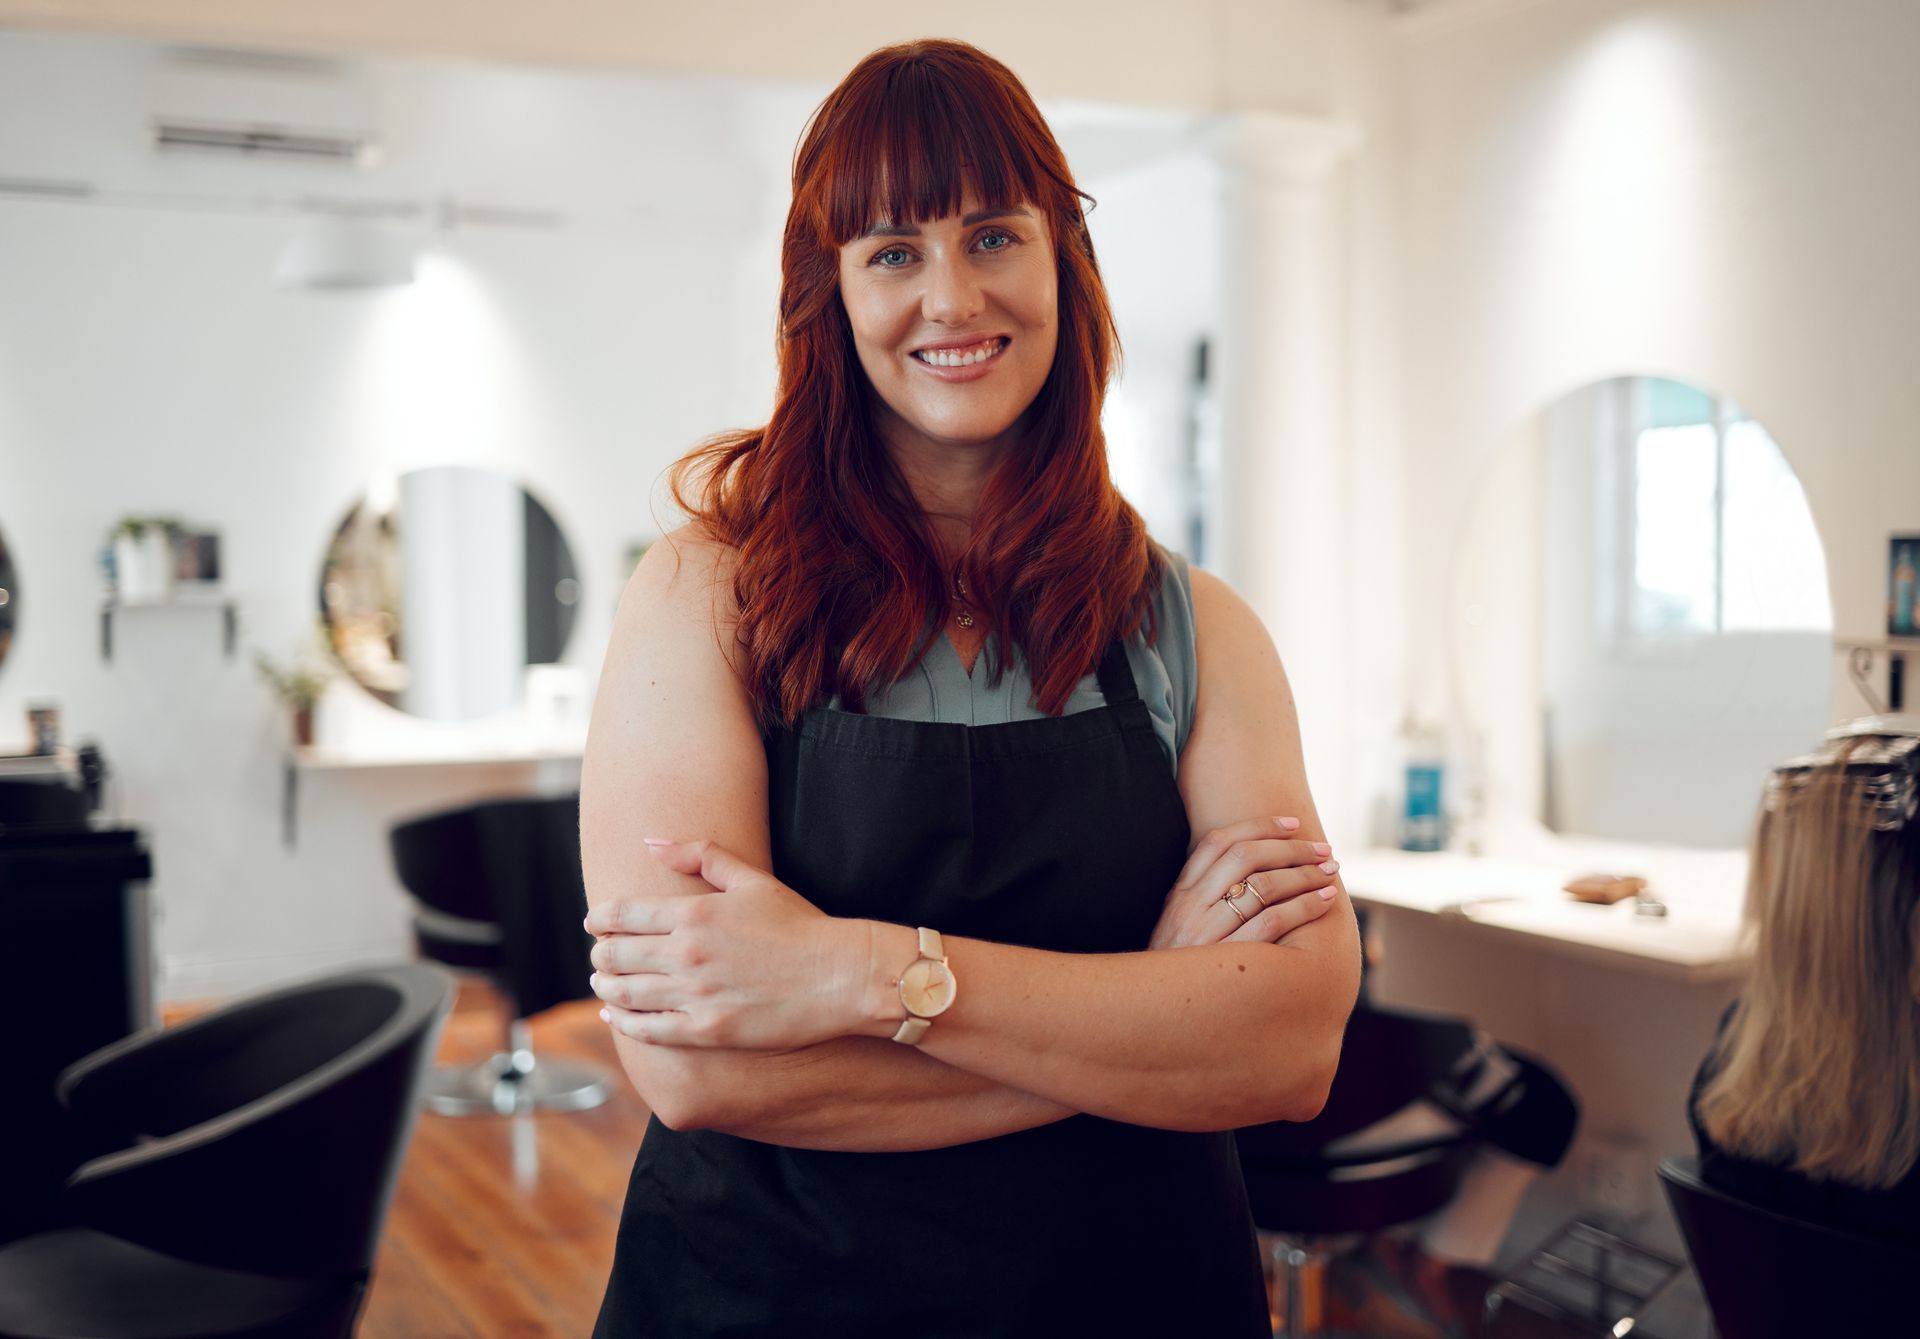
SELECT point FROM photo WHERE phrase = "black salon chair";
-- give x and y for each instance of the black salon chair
(1414, 1099)
(1770, 1275)
(497, 889)
(254, 1153)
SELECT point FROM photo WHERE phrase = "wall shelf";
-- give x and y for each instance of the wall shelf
(227, 604)
(1862, 657)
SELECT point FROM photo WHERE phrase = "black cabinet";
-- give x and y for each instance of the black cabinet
(74, 976)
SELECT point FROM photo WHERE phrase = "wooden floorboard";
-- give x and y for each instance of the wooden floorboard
(504, 1227)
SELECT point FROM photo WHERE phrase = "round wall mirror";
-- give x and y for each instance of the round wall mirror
(9, 599)
(1641, 616)
(440, 589)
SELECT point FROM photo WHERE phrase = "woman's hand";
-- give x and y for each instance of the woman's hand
(748, 964)
(1280, 871)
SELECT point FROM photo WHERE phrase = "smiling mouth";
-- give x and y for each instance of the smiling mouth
(966, 356)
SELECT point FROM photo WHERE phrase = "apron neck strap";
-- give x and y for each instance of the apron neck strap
(1116, 675)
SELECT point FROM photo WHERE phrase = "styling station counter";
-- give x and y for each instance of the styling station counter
(541, 764)
(1685, 927)
(1620, 1000)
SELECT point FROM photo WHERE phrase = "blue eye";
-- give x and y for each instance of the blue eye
(880, 258)
(998, 234)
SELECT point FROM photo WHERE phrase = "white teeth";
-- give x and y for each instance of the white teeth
(979, 353)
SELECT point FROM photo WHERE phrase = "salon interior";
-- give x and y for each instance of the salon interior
(1539, 370)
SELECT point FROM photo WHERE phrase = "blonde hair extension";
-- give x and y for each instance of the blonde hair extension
(1819, 1069)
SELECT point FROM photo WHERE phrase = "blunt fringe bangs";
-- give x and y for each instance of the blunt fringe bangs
(839, 587)
(914, 141)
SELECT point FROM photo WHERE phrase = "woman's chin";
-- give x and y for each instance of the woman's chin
(969, 432)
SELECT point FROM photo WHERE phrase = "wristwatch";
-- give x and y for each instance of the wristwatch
(927, 988)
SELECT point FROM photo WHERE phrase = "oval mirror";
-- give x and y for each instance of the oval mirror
(9, 599)
(1641, 614)
(439, 590)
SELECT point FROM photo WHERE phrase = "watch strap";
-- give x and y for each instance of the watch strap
(932, 949)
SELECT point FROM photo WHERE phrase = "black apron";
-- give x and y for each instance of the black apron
(1062, 833)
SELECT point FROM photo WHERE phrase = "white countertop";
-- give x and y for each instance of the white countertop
(1519, 892)
(444, 748)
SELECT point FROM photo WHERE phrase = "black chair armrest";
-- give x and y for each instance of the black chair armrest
(122, 1087)
(282, 1161)
(157, 1083)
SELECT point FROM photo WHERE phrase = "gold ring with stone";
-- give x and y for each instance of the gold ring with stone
(1231, 903)
(1227, 897)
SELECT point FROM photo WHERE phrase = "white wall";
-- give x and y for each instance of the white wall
(1712, 191)
(1718, 192)
(147, 365)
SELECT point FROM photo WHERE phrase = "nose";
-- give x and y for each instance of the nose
(953, 294)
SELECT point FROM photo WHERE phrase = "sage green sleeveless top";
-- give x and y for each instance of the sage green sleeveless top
(939, 689)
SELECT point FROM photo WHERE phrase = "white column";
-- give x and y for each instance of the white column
(1285, 473)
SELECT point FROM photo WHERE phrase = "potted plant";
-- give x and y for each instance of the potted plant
(143, 557)
(299, 684)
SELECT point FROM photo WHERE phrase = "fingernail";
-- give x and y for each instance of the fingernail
(1330, 867)
(593, 982)
(605, 1017)
(656, 841)
(1328, 894)
(1321, 848)
(1289, 824)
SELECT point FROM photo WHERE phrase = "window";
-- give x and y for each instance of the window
(1716, 534)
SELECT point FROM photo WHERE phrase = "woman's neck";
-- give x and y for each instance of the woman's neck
(947, 479)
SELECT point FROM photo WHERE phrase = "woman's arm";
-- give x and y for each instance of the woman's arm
(673, 747)
(1194, 1038)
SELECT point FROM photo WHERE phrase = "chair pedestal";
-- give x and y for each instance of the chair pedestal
(1299, 1270)
(1296, 1284)
(514, 1080)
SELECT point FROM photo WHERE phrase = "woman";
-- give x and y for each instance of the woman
(1809, 1100)
(870, 912)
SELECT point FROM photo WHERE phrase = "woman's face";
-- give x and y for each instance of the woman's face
(955, 320)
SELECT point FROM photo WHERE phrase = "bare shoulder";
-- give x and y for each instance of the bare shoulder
(687, 570)
(1233, 652)
(1243, 754)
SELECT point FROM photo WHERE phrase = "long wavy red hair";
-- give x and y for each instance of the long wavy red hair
(839, 585)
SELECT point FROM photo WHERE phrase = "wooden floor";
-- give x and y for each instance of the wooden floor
(504, 1226)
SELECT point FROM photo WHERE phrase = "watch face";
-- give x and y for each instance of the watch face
(926, 988)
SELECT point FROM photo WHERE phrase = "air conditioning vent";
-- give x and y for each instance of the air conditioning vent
(270, 140)
(263, 105)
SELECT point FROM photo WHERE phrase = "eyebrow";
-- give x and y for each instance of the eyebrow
(978, 216)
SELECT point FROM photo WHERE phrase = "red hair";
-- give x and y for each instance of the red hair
(838, 581)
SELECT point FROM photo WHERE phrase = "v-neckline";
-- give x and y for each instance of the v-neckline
(947, 636)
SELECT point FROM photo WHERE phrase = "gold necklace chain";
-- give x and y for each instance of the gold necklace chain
(960, 614)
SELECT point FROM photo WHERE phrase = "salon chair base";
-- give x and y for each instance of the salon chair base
(515, 1080)
(500, 1087)
(79, 1284)
(1331, 1287)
